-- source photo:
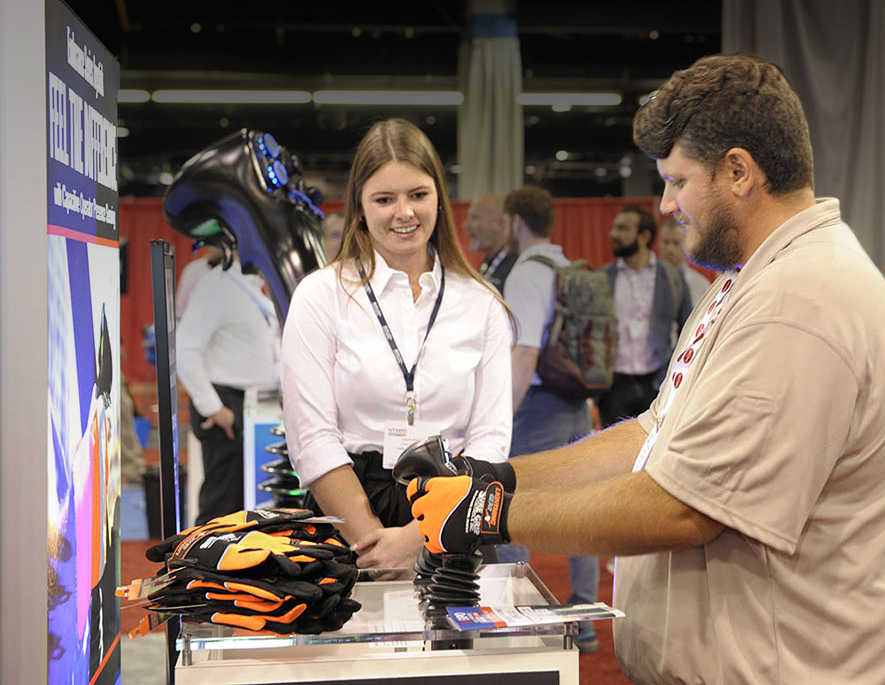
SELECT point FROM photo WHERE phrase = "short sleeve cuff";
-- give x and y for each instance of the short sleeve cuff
(710, 503)
(647, 420)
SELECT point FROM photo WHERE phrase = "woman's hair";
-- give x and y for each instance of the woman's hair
(726, 101)
(398, 140)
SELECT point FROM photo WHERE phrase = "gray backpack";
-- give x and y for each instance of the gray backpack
(578, 359)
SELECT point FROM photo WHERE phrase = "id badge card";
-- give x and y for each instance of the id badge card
(398, 435)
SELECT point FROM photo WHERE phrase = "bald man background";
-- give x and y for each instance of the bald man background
(671, 242)
(489, 231)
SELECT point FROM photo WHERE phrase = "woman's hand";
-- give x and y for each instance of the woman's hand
(386, 548)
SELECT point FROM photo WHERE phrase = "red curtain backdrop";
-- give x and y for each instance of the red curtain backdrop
(581, 226)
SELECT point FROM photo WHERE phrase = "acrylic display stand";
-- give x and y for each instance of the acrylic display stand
(387, 641)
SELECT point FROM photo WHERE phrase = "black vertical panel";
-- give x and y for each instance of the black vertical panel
(163, 282)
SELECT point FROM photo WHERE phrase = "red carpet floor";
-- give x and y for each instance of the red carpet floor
(600, 668)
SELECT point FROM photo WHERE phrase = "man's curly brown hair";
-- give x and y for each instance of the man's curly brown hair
(727, 101)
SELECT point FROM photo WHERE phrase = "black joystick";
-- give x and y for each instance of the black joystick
(441, 580)
(428, 457)
(254, 190)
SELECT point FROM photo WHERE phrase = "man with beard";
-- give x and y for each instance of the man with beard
(745, 506)
(651, 298)
(489, 231)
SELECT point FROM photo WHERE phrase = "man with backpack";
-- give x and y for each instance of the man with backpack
(542, 419)
(650, 295)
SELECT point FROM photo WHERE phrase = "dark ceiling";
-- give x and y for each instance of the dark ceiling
(630, 46)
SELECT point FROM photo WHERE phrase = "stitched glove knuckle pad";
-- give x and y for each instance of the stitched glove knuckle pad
(458, 514)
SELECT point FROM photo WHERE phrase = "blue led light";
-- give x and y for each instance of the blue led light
(271, 144)
(261, 147)
(278, 173)
(303, 199)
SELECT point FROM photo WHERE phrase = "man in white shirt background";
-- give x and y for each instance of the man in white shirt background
(192, 272)
(227, 341)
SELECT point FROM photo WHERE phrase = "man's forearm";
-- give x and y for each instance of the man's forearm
(603, 455)
(628, 514)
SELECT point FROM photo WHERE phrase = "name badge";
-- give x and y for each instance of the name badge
(398, 435)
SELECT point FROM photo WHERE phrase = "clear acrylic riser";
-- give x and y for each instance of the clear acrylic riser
(390, 614)
(387, 637)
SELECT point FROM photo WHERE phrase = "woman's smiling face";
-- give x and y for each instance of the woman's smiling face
(400, 204)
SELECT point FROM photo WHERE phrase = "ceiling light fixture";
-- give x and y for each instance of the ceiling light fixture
(562, 101)
(236, 97)
(132, 95)
(388, 97)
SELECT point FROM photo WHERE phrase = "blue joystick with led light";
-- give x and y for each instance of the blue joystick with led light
(255, 189)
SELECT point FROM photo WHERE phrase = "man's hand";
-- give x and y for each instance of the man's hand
(459, 513)
(224, 418)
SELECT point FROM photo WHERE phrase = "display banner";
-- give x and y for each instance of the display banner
(82, 79)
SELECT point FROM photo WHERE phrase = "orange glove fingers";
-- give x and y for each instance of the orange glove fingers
(239, 620)
(432, 510)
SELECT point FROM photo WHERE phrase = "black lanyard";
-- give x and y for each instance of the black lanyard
(408, 374)
(490, 266)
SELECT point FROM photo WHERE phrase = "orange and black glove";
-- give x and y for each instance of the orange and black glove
(459, 513)
(285, 522)
(284, 624)
(251, 551)
(485, 470)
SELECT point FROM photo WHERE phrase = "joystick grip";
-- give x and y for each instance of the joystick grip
(428, 457)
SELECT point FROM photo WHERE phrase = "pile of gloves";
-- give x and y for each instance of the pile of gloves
(274, 570)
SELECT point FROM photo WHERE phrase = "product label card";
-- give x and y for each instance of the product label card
(398, 435)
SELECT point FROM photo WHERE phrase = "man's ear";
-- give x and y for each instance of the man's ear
(741, 171)
(505, 223)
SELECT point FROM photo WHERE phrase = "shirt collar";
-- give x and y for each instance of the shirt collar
(545, 249)
(235, 270)
(385, 275)
(620, 264)
(824, 212)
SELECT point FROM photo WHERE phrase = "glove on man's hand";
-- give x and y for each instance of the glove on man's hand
(485, 470)
(459, 513)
